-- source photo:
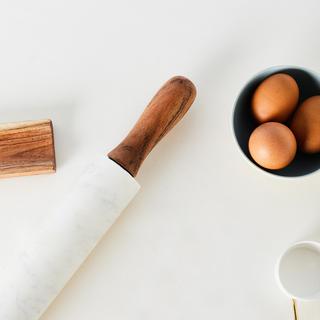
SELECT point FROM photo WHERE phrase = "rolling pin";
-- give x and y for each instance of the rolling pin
(96, 201)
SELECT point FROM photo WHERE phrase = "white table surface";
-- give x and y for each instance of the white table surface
(201, 239)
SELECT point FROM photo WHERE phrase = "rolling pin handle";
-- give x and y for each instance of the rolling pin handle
(164, 111)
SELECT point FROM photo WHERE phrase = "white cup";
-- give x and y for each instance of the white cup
(298, 271)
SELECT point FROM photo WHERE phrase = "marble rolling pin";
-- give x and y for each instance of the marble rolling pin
(102, 192)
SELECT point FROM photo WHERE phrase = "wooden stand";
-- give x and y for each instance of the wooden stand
(26, 148)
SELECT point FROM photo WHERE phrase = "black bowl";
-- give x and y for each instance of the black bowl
(244, 124)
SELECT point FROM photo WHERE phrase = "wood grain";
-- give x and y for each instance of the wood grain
(26, 148)
(164, 111)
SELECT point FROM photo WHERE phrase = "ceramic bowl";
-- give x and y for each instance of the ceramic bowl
(243, 122)
(298, 271)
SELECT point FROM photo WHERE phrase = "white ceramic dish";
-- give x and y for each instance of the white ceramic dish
(298, 271)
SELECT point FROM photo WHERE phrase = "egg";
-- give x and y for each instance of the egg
(306, 125)
(275, 99)
(272, 145)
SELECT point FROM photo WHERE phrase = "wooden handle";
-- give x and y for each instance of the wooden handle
(166, 108)
(26, 148)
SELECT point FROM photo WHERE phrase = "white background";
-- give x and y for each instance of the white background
(201, 239)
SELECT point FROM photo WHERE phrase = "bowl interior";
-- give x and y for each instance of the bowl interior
(244, 124)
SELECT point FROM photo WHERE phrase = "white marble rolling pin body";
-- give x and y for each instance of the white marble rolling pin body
(61, 247)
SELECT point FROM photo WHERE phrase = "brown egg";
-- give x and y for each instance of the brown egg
(306, 125)
(272, 145)
(275, 99)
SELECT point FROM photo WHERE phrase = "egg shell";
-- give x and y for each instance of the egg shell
(275, 99)
(272, 145)
(306, 125)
